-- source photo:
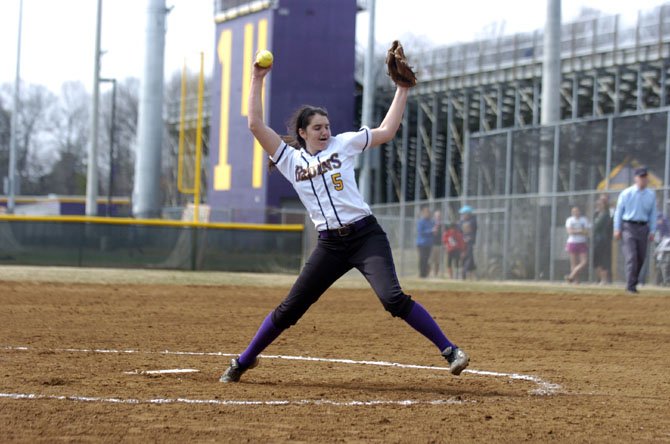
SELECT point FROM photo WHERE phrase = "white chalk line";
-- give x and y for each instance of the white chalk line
(229, 402)
(166, 371)
(542, 387)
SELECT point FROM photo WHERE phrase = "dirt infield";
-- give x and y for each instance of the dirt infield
(566, 365)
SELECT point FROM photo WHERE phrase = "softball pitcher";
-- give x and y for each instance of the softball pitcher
(321, 169)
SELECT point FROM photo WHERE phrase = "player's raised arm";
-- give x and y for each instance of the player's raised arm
(389, 126)
(265, 135)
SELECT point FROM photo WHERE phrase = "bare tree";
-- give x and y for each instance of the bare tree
(5, 129)
(68, 137)
(33, 126)
(34, 104)
(125, 131)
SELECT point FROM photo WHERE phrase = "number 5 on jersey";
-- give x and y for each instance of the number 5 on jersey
(337, 181)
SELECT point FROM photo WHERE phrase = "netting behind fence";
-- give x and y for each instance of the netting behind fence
(137, 245)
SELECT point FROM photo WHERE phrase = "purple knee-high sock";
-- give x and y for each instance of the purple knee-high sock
(422, 321)
(266, 333)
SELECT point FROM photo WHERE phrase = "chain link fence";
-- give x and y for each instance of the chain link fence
(519, 237)
(522, 184)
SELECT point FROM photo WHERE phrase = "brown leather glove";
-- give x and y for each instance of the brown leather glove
(398, 68)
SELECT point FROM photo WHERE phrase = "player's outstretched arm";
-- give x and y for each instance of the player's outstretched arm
(265, 135)
(389, 126)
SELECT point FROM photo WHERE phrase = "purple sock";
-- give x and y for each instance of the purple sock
(422, 321)
(266, 333)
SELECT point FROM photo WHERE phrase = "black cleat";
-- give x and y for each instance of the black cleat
(235, 371)
(458, 360)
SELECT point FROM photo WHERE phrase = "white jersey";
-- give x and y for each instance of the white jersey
(325, 181)
(577, 223)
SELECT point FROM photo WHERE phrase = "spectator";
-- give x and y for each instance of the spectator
(662, 250)
(577, 246)
(662, 227)
(635, 224)
(663, 260)
(468, 226)
(436, 252)
(453, 243)
(424, 240)
(602, 240)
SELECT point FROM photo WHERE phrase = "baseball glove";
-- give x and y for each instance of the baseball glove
(398, 68)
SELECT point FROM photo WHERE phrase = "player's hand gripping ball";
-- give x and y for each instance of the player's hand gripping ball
(264, 58)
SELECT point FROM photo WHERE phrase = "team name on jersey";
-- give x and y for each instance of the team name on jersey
(302, 173)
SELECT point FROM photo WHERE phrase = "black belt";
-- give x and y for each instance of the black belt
(636, 222)
(346, 230)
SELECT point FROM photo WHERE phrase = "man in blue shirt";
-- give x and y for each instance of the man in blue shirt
(635, 223)
(424, 240)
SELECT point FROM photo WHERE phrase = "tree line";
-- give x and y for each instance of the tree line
(53, 134)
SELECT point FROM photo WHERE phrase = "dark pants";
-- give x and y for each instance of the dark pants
(424, 257)
(468, 259)
(634, 245)
(367, 250)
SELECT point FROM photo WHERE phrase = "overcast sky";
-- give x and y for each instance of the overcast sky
(58, 35)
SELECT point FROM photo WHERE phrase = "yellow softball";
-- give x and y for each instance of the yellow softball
(264, 58)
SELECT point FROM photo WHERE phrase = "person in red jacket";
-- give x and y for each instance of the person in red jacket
(452, 239)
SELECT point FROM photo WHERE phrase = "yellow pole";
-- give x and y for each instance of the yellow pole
(198, 139)
(182, 131)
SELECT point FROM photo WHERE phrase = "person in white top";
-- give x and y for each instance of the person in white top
(577, 245)
(321, 169)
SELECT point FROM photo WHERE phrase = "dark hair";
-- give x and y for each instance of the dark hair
(300, 119)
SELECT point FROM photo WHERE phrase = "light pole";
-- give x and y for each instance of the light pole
(11, 182)
(365, 179)
(92, 170)
(111, 146)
